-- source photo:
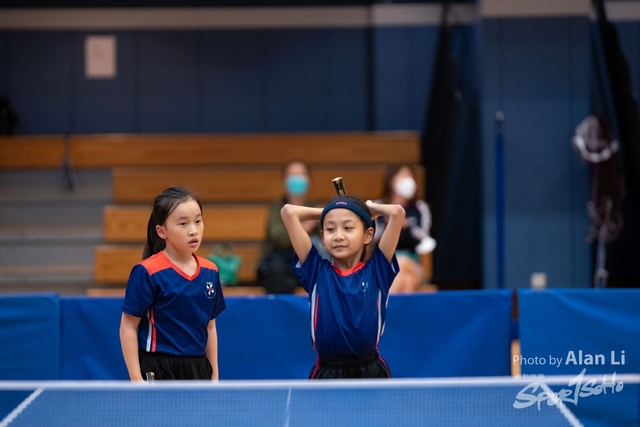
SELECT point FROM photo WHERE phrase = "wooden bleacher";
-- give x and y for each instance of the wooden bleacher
(112, 150)
(236, 176)
(233, 184)
(128, 224)
(113, 263)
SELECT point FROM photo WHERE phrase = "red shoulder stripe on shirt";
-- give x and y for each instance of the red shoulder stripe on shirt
(205, 263)
(155, 263)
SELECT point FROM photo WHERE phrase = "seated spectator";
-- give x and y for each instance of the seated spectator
(400, 188)
(274, 269)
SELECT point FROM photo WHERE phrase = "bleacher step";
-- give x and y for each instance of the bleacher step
(55, 245)
(62, 279)
(48, 234)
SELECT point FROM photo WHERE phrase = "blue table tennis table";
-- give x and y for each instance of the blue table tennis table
(474, 402)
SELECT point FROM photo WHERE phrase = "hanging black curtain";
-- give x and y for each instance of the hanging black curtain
(615, 100)
(452, 189)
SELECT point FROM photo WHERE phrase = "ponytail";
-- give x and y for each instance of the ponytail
(154, 243)
(163, 205)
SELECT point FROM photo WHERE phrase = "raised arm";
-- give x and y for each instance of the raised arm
(389, 239)
(293, 216)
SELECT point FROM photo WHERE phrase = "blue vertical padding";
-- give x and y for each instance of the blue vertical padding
(393, 78)
(499, 173)
(105, 105)
(297, 80)
(541, 96)
(493, 98)
(265, 338)
(234, 81)
(30, 337)
(563, 332)
(348, 86)
(171, 95)
(448, 334)
(90, 340)
(40, 75)
(4, 63)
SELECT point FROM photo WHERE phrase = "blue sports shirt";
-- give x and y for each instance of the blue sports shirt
(348, 309)
(175, 308)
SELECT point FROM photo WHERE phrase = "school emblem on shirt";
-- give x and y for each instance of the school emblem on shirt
(211, 291)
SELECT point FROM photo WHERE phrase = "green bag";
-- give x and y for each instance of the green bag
(228, 263)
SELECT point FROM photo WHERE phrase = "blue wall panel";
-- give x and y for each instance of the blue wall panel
(234, 81)
(393, 77)
(171, 96)
(297, 80)
(107, 105)
(223, 81)
(425, 47)
(543, 100)
(347, 95)
(40, 75)
(403, 64)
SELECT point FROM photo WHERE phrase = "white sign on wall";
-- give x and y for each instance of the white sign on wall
(100, 57)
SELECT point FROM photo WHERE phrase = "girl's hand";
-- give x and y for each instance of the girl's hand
(373, 208)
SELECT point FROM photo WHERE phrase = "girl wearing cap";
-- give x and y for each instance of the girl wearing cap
(348, 297)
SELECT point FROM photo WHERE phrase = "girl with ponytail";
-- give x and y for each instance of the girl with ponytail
(173, 296)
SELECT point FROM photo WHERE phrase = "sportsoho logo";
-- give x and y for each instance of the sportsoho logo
(538, 392)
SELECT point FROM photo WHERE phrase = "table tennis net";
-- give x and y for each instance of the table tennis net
(477, 402)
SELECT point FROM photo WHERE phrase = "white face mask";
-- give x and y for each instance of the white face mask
(406, 188)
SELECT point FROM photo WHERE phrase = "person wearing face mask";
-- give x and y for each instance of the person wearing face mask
(274, 270)
(415, 240)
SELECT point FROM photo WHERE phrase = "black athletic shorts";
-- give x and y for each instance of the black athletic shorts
(370, 365)
(170, 367)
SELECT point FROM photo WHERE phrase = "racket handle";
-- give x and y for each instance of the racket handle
(151, 377)
(339, 184)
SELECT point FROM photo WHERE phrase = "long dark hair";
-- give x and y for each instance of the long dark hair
(163, 205)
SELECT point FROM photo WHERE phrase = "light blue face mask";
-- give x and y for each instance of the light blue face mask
(297, 185)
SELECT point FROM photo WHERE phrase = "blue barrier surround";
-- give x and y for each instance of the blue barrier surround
(568, 331)
(452, 334)
(30, 337)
